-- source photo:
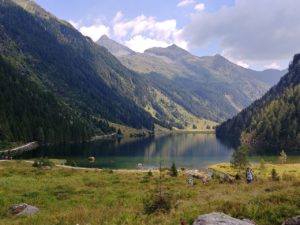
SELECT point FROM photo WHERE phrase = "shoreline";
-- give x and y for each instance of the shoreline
(22, 148)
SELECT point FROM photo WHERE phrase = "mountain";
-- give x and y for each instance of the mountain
(70, 68)
(209, 87)
(271, 123)
(115, 48)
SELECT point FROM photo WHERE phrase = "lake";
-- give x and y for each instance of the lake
(189, 150)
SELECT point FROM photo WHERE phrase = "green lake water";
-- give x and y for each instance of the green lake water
(186, 150)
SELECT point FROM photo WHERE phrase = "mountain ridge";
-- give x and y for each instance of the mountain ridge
(78, 73)
(208, 80)
(271, 123)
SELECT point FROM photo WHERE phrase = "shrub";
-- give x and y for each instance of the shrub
(70, 162)
(283, 156)
(150, 174)
(173, 170)
(42, 163)
(274, 175)
(240, 158)
(237, 176)
(157, 202)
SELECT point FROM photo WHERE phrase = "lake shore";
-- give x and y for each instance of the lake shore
(25, 147)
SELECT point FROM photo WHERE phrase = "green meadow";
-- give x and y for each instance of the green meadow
(87, 197)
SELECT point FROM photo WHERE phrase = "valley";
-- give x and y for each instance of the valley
(149, 112)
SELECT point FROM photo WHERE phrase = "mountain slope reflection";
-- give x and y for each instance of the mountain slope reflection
(186, 150)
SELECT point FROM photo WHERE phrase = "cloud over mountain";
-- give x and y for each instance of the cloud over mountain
(249, 30)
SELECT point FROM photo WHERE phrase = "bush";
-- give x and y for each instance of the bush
(240, 158)
(42, 163)
(237, 176)
(150, 174)
(70, 162)
(157, 202)
(173, 171)
(283, 156)
(274, 175)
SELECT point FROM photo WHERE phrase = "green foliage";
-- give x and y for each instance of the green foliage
(43, 162)
(272, 122)
(71, 162)
(29, 112)
(283, 156)
(61, 81)
(274, 175)
(240, 157)
(173, 170)
(157, 203)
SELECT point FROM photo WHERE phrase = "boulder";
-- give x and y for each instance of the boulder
(23, 209)
(293, 221)
(220, 219)
(91, 159)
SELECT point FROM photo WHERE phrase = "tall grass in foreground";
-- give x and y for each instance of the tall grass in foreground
(67, 196)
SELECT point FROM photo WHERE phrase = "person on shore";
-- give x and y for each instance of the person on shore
(249, 175)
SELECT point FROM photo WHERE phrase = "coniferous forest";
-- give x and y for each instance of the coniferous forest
(272, 122)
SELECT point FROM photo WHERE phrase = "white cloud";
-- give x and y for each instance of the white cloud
(140, 44)
(118, 17)
(183, 3)
(200, 7)
(242, 64)
(252, 31)
(139, 33)
(94, 31)
(148, 32)
(273, 65)
(74, 24)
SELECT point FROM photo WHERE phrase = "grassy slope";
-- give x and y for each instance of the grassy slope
(92, 197)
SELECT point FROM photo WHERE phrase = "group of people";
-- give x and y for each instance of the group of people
(6, 157)
(249, 178)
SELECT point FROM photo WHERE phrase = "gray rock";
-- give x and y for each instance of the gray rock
(220, 219)
(293, 221)
(23, 209)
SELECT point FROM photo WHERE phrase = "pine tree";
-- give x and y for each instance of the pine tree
(173, 170)
(240, 157)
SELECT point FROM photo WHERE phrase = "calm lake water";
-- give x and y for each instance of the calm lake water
(186, 150)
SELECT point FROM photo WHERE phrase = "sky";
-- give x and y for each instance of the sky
(258, 34)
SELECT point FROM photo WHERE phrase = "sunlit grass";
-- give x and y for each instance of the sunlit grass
(67, 196)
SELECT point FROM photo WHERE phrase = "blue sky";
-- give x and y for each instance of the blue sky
(256, 34)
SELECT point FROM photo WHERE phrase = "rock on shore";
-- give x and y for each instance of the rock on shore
(220, 219)
(23, 209)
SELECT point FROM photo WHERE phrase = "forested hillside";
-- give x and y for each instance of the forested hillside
(271, 123)
(80, 75)
(30, 112)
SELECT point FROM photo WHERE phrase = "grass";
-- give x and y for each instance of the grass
(67, 196)
(284, 170)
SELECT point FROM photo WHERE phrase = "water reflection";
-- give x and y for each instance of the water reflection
(186, 150)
